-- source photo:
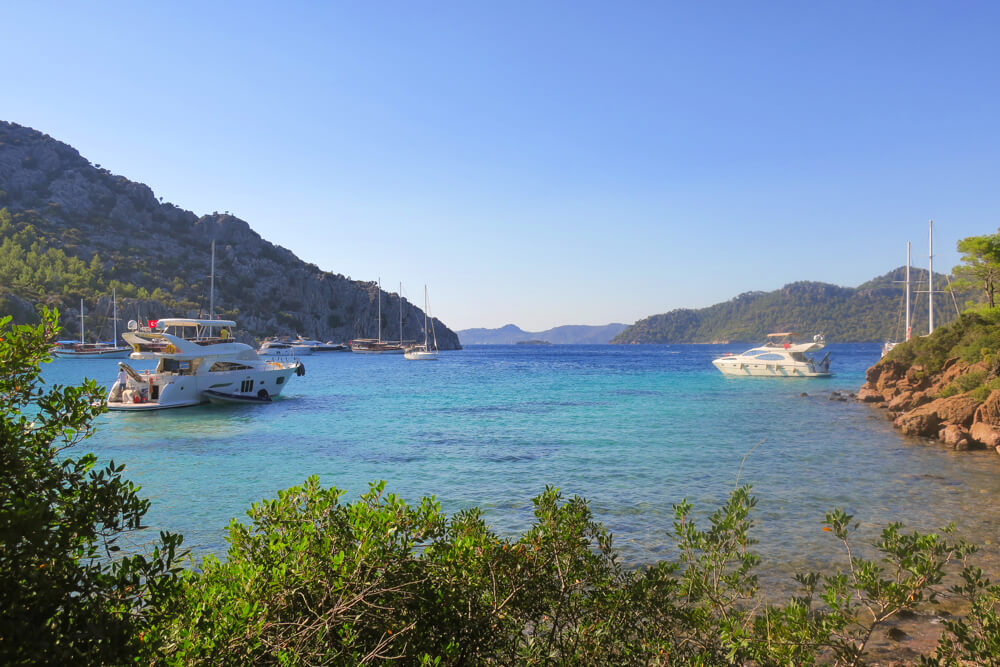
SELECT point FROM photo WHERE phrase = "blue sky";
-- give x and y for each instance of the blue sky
(541, 163)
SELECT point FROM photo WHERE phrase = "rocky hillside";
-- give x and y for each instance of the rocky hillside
(945, 386)
(870, 312)
(63, 212)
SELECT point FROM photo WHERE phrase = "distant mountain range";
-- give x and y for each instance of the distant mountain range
(572, 334)
(870, 312)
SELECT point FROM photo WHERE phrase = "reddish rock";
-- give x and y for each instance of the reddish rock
(868, 395)
(963, 445)
(985, 434)
(918, 422)
(901, 402)
(954, 409)
(952, 434)
(951, 370)
(989, 411)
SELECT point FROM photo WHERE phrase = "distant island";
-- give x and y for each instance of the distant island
(533, 341)
(573, 334)
(870, 312)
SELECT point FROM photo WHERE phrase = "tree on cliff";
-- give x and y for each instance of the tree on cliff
(980, 268)
(67, 594)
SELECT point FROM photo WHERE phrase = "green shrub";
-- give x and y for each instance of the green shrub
(67, 593)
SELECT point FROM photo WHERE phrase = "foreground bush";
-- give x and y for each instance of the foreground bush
(312, 580)
(67, 595)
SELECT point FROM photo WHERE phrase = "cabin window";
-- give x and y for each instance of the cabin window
(220, 366)
(280, 380)
(770, 357)
(246, 386)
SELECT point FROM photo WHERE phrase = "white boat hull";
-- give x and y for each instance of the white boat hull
(767, 370)
(419, 355)
(111, 353)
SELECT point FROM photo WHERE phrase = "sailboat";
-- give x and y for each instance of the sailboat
(70, 349)
(424, 352)
(377, 345)
(930, 290)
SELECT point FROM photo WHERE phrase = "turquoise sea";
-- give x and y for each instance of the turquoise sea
(632, 428)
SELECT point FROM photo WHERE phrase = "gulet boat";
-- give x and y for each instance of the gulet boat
(779, 357)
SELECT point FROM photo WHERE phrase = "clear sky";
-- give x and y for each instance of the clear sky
(540, 163)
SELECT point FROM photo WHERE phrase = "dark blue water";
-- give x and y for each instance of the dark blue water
(632, 428)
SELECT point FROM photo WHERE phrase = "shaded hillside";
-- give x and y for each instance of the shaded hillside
(870, 312)
(570, 334)
(63, 213)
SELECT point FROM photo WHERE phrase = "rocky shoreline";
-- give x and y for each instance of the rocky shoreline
(925, 404)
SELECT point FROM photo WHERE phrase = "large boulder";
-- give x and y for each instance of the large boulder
(989, 411)
(954, 410)
(985, 434)
(955, 436)
(920, 422)
(868, 395)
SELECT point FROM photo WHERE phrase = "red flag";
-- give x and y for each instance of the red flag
(152, 323)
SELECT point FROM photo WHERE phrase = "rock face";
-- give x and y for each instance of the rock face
(912, 398)
(86, 210)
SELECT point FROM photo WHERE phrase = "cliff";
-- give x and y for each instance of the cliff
(73, 229)
(944, 386)
(870, 312)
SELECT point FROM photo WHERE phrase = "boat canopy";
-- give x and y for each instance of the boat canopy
(773, 335)
(185, 322)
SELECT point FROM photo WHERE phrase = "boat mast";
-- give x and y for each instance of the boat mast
(81, 321)
(400, 313)
(930, 277)
(380, 310)
(211, 288)
(909, 329)
(114, 310)
(425, 317)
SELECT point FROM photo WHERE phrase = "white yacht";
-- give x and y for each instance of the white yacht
(197, 361)
(424, 352)
(779, 357)
(281, 348)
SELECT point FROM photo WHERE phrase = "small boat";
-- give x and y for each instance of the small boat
(317, 346)
(279, 348)
(888, 345)
(71, 349)
(779, 357)
(195, 357)
(424, 352)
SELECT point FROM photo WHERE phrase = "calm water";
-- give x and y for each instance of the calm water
(632, 428)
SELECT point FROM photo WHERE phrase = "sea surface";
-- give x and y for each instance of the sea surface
(634, 429)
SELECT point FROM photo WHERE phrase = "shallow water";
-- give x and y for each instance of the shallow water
(632, 428)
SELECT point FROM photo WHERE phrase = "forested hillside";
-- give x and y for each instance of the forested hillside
(870, 312)
(70, 230)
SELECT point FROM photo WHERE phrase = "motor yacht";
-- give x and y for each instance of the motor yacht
(196, 361)
(779, 357)
(282, 348)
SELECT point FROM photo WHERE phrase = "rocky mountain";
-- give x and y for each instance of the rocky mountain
(71, 229)
(572, 334)
(870, 312)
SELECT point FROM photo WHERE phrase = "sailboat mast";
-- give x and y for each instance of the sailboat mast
(930, 277)
(114, 316)
(380, 310)
(211, 288)
(909, 329)
(81, 321)
(400, 313)
(425, 317)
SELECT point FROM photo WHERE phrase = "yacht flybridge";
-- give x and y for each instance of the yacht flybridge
(197, 361)
(779, 357)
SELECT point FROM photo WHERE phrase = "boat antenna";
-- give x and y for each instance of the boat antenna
(930, 277)
(909, 329)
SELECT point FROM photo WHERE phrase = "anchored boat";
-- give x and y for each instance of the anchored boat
(195, 357)
(779, 357)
